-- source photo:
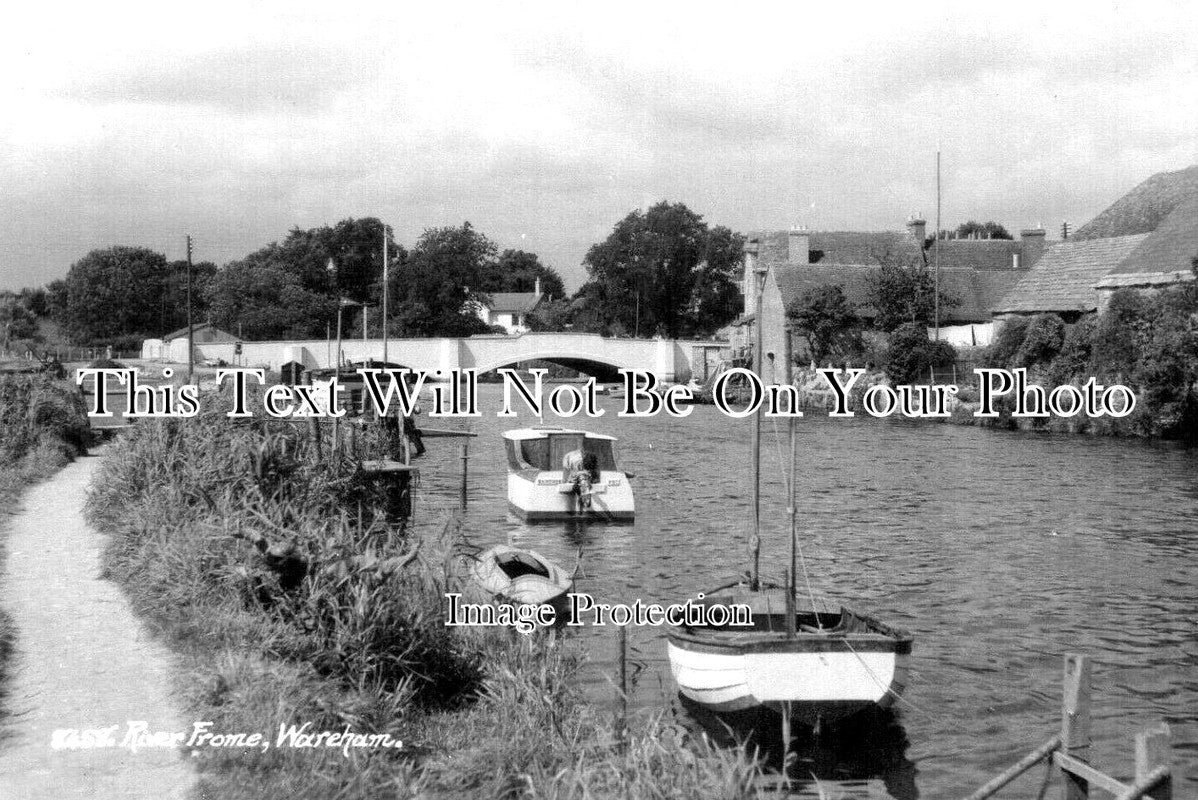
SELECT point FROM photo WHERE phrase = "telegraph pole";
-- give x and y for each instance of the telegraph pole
(190, 333)
(385, 288)
(936, 250)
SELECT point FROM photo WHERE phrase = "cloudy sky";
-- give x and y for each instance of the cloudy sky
(543, 125)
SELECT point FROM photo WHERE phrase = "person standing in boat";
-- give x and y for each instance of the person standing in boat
(581, 469)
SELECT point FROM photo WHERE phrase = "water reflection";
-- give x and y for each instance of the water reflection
(870, 747)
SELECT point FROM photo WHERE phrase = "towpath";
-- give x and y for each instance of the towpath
(84, 661)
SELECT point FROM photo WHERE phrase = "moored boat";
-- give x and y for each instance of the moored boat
(835, 663)
(509, 574)
(562, 474)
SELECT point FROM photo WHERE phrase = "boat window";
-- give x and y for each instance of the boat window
(602, 448)
(536, 453)
(513, 455)
(560, 444)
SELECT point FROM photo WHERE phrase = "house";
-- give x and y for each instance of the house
(1145, 240)
(173, 346)
(978, 272)
(509, 310)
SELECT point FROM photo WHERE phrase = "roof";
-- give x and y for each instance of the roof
(1064, 277)
(516, 302)
(1171, 247)
(523, 434)
(977, 290)
(1144, 208)
(839, 247)
(979, 253)
(200, 326)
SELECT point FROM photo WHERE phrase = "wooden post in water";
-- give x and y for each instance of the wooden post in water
(622, 671)
(1154, 754)
(1075, 722)
(465, 461)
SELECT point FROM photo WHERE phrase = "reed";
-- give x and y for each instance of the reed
(240, 541)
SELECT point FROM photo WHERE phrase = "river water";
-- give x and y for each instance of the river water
(1000, 551)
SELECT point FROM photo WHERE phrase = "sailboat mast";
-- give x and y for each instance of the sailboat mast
(758, 362)
(791, 623)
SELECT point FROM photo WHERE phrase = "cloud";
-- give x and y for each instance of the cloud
(301, 80)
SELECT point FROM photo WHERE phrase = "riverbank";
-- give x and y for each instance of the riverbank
(213, 520)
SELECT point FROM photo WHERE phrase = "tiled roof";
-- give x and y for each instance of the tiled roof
(514, 302)
(977, 290)
(978, 253)
(1143, 208)
(839, 247)
(1064, 277)
(1170, 248)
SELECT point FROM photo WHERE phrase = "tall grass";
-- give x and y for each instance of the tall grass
(266, 560)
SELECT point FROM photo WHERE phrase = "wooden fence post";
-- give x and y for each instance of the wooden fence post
(1153, 751)
(465, 460)
(1075, 722)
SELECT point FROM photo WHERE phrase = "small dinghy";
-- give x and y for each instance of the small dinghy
(509, 574)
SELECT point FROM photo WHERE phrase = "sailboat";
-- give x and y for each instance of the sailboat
(807, 657)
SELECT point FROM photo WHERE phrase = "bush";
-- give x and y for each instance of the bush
(1008, 340)
(1042, 341)
(911, 354)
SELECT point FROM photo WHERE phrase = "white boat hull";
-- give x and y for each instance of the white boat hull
(827, 684)
(539, 497)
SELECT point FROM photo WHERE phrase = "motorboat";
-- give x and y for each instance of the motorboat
(542, 486)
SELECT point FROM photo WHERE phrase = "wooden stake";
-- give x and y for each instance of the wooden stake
(1153, 751)
(1075, 722)
(465, 456)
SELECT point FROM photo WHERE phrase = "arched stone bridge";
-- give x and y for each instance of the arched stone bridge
(669, 360)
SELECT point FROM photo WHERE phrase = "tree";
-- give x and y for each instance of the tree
(663, 271)
(905, 294)
(114, 294)
(985, 230)
(437, 281)
(354, 245)
(911, 354)
(267, 303)
(826, 318)
(518, 270)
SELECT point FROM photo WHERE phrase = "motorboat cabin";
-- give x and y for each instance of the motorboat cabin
(546, 480)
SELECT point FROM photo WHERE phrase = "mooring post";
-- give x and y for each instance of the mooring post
(1075, 722)
(1153, 755)
(622, 722)
(465, 461)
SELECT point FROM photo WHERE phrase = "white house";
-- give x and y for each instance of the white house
(509, 310)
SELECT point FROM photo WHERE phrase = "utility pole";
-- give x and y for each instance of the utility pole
(936, 251)
(386, 286)
(190, 333)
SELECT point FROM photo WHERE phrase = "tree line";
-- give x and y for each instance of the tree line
(662, 271)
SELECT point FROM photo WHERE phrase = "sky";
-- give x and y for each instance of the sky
(545, 124)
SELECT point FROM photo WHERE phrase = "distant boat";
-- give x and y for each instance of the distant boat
(509, 574)
(541, 488)
(809, 659)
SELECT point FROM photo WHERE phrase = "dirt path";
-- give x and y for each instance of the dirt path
(83, 661)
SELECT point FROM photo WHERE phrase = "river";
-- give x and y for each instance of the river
(1000, 551)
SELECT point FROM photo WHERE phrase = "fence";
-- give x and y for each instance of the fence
(1068, 752)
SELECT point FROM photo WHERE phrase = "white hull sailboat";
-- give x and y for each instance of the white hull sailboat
(540, 489)
(835, 664)
(813, 661)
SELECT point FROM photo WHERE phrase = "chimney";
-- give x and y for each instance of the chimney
(748, 286)
(536, 289)
(798, 245)
(1033, 245)
(918, 228)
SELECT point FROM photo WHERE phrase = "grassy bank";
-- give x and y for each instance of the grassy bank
(42, 427)
(239, 541)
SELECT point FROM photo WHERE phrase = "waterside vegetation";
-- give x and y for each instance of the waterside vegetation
(267, 564)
